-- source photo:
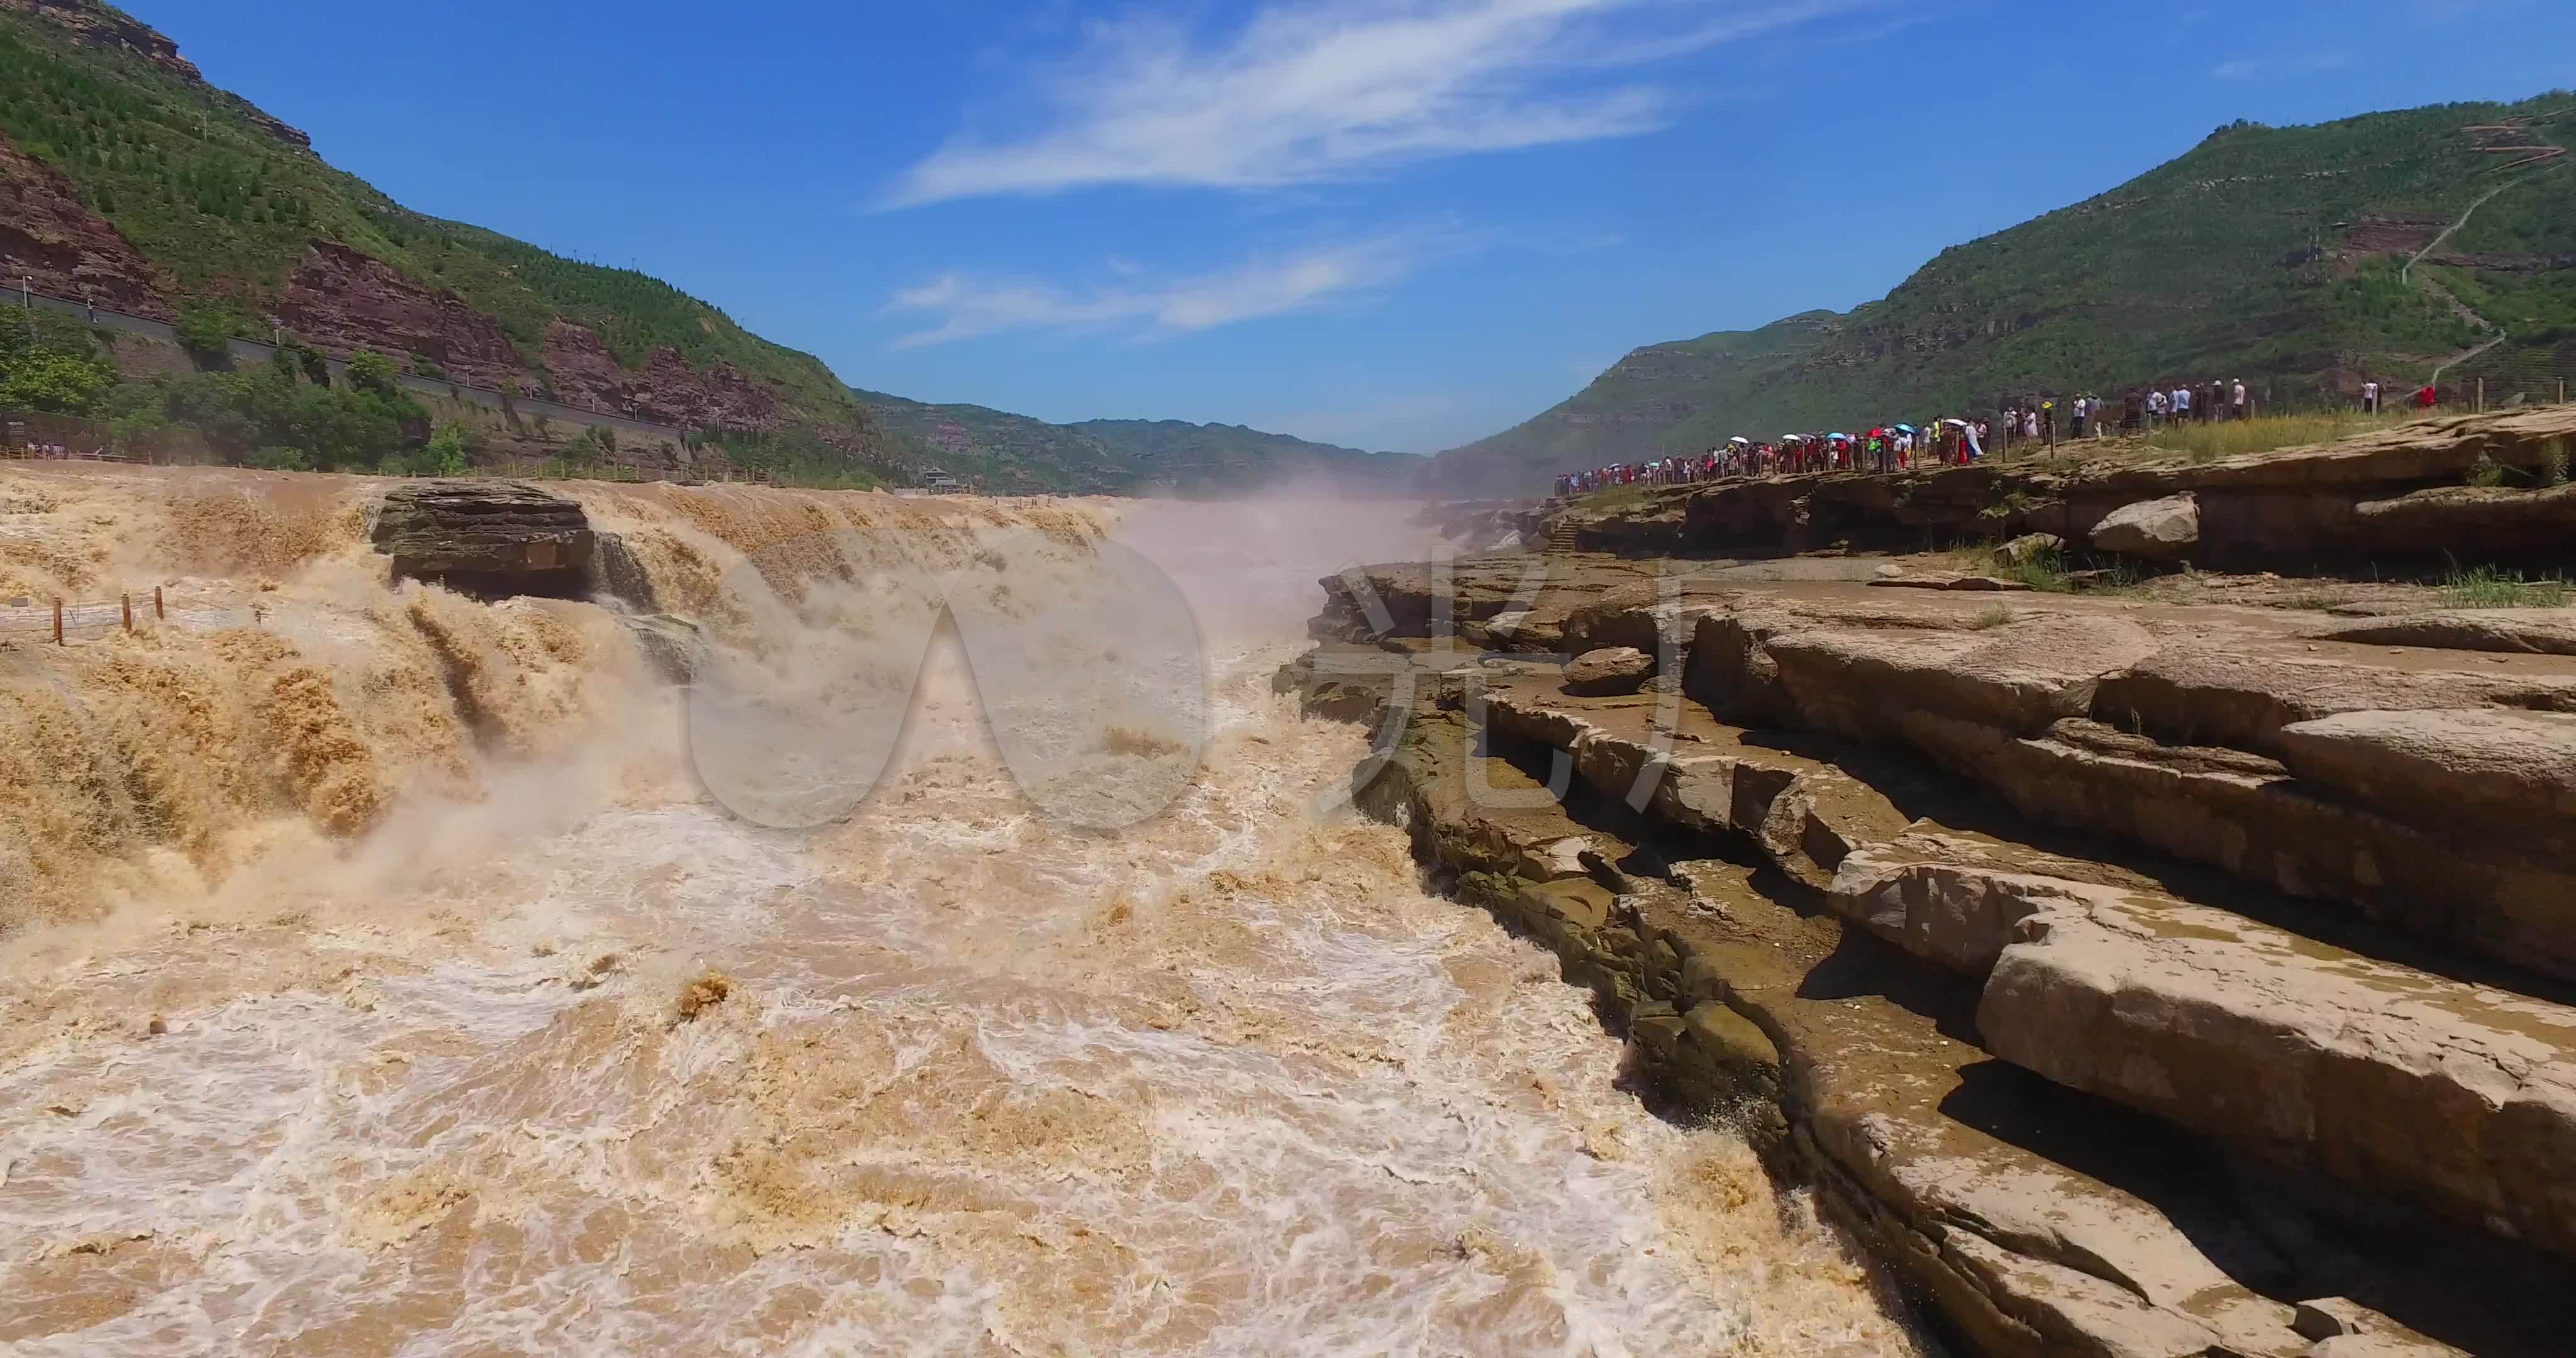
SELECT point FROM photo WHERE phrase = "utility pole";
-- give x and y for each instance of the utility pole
(27, 300)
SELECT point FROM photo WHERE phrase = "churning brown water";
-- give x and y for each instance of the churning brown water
(414, 998)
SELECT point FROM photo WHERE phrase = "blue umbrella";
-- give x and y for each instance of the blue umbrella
(1905, 429)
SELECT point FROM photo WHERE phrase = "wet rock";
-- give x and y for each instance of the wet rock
(2026, 1257)
(1611, 670)
(670, 644)
(2160, 530)
(492, 539)
(616, 573)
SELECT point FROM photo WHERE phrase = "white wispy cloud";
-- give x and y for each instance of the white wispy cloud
(1140, 307)
(2246, 68)
(1311, 91)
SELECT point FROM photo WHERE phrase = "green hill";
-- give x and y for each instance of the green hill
(2276, 255)
(238, 220)
(1006, 453)
(127, 178)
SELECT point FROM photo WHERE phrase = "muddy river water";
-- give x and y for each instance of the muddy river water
(574, 1061)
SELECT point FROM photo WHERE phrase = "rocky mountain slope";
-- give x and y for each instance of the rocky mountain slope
(129, 181)
(1006, 453)
(2277, 255)
(139, 184)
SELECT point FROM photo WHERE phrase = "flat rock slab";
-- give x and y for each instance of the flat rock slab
(1965, 584)
(2458, 1097)
(2498, 521)
(2489, 765)
(2528, 631)
(2243, 695)
(2018, 677)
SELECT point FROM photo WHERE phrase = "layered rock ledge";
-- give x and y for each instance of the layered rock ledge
(2128, 978)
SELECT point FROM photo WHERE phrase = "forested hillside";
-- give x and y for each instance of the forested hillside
(139, 186)
(1004, 453)
(2276, 255)
(129, 182)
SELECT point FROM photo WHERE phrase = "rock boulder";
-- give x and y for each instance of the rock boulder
(1611, 670)
(491, 539)
(2160, 530)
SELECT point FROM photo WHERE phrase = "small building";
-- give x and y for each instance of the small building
(940, 482)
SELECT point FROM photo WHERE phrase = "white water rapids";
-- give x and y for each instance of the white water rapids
(1225, 1082)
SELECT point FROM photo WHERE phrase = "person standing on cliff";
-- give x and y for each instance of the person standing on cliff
(2370, 398)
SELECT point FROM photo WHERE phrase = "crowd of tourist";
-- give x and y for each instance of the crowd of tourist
(1946, 442)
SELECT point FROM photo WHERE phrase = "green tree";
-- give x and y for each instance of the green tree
(206, 333)
(51, 362)
(60, 383)
(370, 371)
(446, 453)
(277, 459)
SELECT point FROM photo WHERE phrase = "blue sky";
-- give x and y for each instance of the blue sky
(1399, 225)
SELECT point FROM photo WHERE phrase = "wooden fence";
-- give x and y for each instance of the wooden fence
(60, 622)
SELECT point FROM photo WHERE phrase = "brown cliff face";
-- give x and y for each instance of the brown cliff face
(665, 390)
(341, 300)
(98, 25)
(49, 236)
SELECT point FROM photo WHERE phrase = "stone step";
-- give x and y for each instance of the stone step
(2460, 1097)
(2428, 789)
(2474, 1088)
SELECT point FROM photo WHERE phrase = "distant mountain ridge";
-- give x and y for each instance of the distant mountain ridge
(1009, 453)
(2275, 255)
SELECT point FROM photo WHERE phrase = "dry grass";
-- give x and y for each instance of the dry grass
(2236, 438)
